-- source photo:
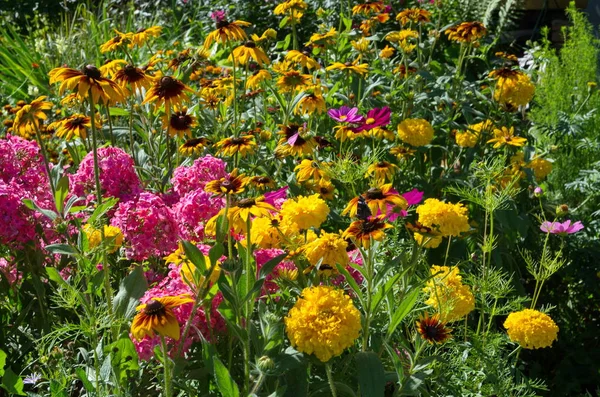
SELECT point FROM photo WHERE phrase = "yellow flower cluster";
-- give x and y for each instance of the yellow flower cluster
(516, 90)
(329, 247)
(450, 219)
(112, 234)
(448, 295)
(466, 139)
(416, 132)
(306, 212)
(323, 322)
(541, 168)
(531, 329)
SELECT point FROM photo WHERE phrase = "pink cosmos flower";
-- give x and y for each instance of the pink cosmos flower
(375, 118)
(345, 115)
(413, 197)
(563, 228)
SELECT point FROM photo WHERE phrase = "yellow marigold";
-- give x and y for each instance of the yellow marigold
(271, 233)
(531, 329)
(466, 139)
(112, 235)
(514, 90)
(450, 219)
(306, 212)
(448, 295)
(541, 167)
(416, 132)
(329, 247)
(323, 322)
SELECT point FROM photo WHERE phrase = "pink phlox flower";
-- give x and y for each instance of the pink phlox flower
(217, 15)
(563, 228)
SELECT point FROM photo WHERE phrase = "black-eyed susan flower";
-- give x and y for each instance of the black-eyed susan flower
(181, 58)
(111, 66)
(261, 182)
(381, 199)
(142, 35)
(194, 146)
(303, 59)
(231, 184)
(354, 67)
(531, 329)
(227, 32)
(75, 125)
(269, 34)
(157, 316)
(432, 329)
(293, 9)
(293, 80)
(362, 231)
(323, 39)
(368, 7)
(116, 41)
(254, 81)
(402, 152)
(242, 54)
(132, 77)
(113, 237)
(86, 82)
(382, 171)
(294, 142)
(167, 91)
(506, 136)
(324, 188)
(416, 15)
(28, 117)
(180, 123)
(387, 52)
(323, 322)
(309, 169)
(310, 103)
(256, 207)
(242, 145)
(466, 32)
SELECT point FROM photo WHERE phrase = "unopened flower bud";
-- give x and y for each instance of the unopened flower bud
(538, 192)
(562, 210)
(265, 363)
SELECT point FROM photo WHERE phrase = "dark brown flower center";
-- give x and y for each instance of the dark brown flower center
(92, 72)
(194, 142)
(181, 121)
(246, 203)
(154, 308)
(223, 23)
(238, 141)
(368, 226)
(374, 194)
(167, 83)
(250, 44)
(77, 121)
(263, 179)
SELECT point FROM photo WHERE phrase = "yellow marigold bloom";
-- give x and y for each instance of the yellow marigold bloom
(466, 32)
(387, 52)
(416, 132)
(531, 329)
(541, 168)
(427, 241)
(329, 248)
(447, 218)
(323, 322)
(87, 81)
(242, 54)
(270, 232)
(168, 91)
(140, 37)
(309, 169)
(417, 15)
(466, 139)
(112, 236)
(360, 69)
(381, 171)
(514, 90)
(257, 78)
(226, 32)
(363, 231)
(306, 212)
(157, 316)
(302, 59)
(447, 294)
(506, 136)
(243, 145)
(313, 102)
(293, 80)
(28, 117)
(368, 7)
(321, 39)
(116, 42)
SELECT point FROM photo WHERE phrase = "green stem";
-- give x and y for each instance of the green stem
(110, 127)
(330, 379)
(249, 303)
(168, 392)
(45, 157)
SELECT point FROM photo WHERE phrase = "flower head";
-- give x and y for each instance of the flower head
(157, 316)
(416, 132)
(306, 212)
(375, 118)
(87, 82)
(345, 115)
(531, 329)
(506, 136)
(563, 228)
(168, 91)
(447, 218)
(466, 32)
(432, 329)
(329, 248)
(323, 322)
(364, 230)
(226, 32)
(448, 295)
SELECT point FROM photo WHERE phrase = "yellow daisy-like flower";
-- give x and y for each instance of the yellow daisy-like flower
(466, 32)
(387, 52)
(448, 295)
(323, 39)
(28, 117)
(329, 248)
(402, 152)
(112, 235)
(188, 273)
(239, 214)
(243, 145)
(381, 171)
(293, 142)
(180, 123)
(368, 7)
(193, 146)
(531, 329)
(303, 59)
(133, 77)
(87, 81)
(290, 8)
(168, 91)
(323, 322)
(140, 37)
(541, 168)
(306, 212)
(378, 199)
(261, 182)
(75, 125)
(447, 218)
(313, 102)
(292, 80)
(231, 184)
(324, 188)
(257, 78)
(157, 316)
(416, 132)
(111, 67)
(513, 89)
(227, 32)
(309, 169)
(360, 69)
(116, 42)
(242, 54)
(506, 136)
(363, 231)
(361, 46)
(416, 15)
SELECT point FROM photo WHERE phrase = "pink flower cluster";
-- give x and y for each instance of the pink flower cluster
(262, 256)
(9, 271)
(117, 176)
(193, 210)
(205, 169)
(148, 225)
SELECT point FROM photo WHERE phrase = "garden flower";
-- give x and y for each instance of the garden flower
(193, 146)
(267, 232)
(140, 37)
(309, 169)
(261, 182)
(226, 32)
(180, 123)
(329, 248)
(447, 294)
(363, 230)
(243, 145)
(402, 152)
(513, 87)
(325, 188)
(292, 80)
(387, 52)
(562, 228)
(416, 132)
(21, 227)
(345, 115)
(188, 271)
(10, 272)
(447, 218)
(375, 118)
(380, 200)
(167, 91)
(133, 77)
(302, 59)
(75, 125)
(432, 329)
(360, 69)
(323, 39)
(427, 241)
(256, 207)
(193, 210)
(531, 329)
(506, 136)
(306, 212)
(466, 32)
(292, 143)
(247, 51)
(368, 7)
(203, 170)
(230, 184)
(291, 8)
(257, 78)
(416, 15)
(541, 168)
(108, 70)
(310, 103)
(157, 316)
(112, 235)
(466, 139)
(27, 119)
(116, 41)
(323, 322)
(381, 171)
(85, 82)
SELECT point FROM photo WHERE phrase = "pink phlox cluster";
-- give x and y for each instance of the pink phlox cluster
(9, 271)
(262, 256)
(193, 210)
(148, 226)
(117, 176)
(18, 221)
(203, 170)
(276, 197)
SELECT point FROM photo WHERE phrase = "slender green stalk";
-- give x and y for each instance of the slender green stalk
(330, 379)
(249, 304)
(168, 392)
(45, 157)
(110, 126)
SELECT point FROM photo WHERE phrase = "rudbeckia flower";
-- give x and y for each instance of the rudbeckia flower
(227, 32)
(168, 91)
(242, 54)
(85, 82)
(157, 316)
(363, 230)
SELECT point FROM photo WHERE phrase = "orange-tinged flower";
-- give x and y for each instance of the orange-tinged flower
(417, 15)
(257, 78)
(28, 116)
(369, 7)
(193, 146)
(303, 59)
(75, 125)
(157, 316)
(432, 329)
(506, 136)
(116, 42)
(378, 199)
(231, 184)
(242, 54)
(293, 80)
(363, 231)
(227, 32)
(466, 32)
(133, 77)
(243, 145)
(86, 81)
(140, 37)
(361, 69)
(180, 123)
(168, 91)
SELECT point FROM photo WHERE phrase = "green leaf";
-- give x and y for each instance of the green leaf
(371, 374)
(102, 209)
(33, 206)
(62, 189)
(194, 255)
(225, 383)
(2, 361)
(125, 357)
(132, 288)
(268, 267)
(283, 22)
(88, 386)
(12, 383)
(64, 249)
(402, 311)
